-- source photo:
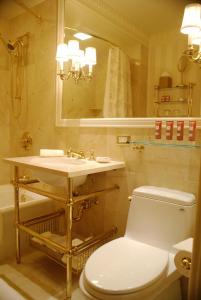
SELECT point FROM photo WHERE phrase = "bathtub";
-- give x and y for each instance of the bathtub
(31, 205)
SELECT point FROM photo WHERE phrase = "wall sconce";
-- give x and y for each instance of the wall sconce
(191, 26)
(79, 62)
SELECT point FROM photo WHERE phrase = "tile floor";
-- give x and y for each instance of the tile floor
(45, 274)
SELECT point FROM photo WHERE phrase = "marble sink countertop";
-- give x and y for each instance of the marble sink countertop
(70, 167)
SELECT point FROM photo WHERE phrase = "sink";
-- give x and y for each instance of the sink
(57, 161)
(57, 180)
(56, 170)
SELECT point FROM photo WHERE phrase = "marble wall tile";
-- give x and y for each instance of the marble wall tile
(4, 104)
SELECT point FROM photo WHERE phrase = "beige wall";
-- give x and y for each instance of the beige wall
(139, 73)
(4, 102)
(168, 167)
(39, 90)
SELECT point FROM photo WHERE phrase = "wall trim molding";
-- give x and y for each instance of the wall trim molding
(122, 122)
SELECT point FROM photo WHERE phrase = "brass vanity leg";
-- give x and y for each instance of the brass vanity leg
(17, 214)
(69, 219)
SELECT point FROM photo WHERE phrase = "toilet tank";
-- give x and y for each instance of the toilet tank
(160, 217)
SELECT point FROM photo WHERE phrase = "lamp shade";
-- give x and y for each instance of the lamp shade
(78, 61)
(73, 49)
(62, 52)
(191, 21)
(196, 39)
(82, 58)
(90, 56)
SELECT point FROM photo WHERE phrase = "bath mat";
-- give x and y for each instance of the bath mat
(9, 291)
(15, 286)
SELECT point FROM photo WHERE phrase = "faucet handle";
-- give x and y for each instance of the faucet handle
(81, 152)
(91, 155)
(68, 152)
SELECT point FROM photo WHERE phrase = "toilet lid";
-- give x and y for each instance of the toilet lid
(125, 266)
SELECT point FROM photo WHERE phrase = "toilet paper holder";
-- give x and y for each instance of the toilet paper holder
(186, 263)
(183, 257)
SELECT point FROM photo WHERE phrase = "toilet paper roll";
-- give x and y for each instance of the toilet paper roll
(183, 262)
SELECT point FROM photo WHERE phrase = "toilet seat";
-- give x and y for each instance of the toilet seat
(124, 266)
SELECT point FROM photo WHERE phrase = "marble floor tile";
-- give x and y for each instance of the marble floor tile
(40, 276)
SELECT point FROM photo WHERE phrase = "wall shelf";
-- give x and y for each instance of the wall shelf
(184, 86)
(172, 102)
(165, 145)
(176, 95)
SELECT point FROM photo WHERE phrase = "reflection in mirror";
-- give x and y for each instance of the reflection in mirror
(113, 90)
(109, 92)
(84, 99)
(131, 59)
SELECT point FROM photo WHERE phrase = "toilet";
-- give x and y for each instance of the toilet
(140, 265)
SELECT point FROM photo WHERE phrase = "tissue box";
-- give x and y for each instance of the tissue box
(165, 82)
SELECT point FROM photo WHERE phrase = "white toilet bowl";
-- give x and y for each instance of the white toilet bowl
(125, 269)
(129, 268)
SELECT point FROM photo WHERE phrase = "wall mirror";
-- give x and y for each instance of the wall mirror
(130, 63)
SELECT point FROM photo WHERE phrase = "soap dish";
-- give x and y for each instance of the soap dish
(103, 159)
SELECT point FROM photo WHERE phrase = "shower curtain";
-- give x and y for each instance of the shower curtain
(118, 98)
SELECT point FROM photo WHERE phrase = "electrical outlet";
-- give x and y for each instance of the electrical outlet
(123, 139)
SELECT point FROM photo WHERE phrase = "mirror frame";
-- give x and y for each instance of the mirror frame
(99, 122)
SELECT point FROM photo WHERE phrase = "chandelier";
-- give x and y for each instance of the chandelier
(79, 63)
(191, 25)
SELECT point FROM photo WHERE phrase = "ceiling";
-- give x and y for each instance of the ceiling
(151, 16)
(9, 9)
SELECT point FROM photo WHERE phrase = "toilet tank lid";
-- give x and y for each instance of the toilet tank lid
(165, 194)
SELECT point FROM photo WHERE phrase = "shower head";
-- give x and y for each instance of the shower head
(11, 46)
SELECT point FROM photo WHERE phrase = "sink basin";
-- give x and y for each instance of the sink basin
(57, 180)
(57, 161)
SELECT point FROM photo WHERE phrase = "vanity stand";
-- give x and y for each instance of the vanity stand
(33, 227)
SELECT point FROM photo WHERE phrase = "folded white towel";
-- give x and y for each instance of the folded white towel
(51, 152)
(46, 234)
(60, 239)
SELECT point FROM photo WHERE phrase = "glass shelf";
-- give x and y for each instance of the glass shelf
(172, 102)
(160, 144)
(185, 86)
(177, 96)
